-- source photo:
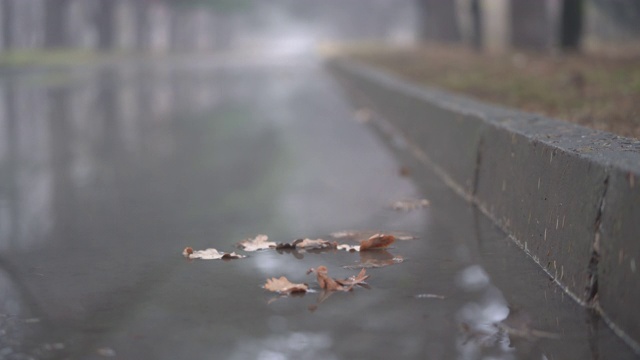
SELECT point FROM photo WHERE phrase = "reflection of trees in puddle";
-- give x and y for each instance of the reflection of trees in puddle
(19, 324)
(285, 345)
(101, 155)
(489, 326)
(479, 335)
(375, 259)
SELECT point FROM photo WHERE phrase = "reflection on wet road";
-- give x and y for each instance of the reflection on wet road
(108, 173)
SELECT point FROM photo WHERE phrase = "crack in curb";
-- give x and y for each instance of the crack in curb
(476, 171)
(591, 289)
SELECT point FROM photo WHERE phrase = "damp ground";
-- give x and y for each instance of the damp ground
(109, 172)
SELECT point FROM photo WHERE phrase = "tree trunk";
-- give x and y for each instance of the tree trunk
(143, 24)
(56, 32)
(105, 18)
(530, 24)
(438, 20)
(8, 24)
(571, 24)
(476, 24)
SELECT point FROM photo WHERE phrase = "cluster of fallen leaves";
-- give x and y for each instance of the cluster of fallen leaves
(261, 242)
(283, 286)
(327, 284)
(371, 247)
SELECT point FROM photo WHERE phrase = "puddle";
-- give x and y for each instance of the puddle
(107, 178)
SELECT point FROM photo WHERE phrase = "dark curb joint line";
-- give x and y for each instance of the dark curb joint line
(567, 195)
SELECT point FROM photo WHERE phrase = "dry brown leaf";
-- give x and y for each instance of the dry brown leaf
(209, 254)
(355, 280)
(410, 204)
(284, 286)
(260, 242)
(325, 281)
(377, 241)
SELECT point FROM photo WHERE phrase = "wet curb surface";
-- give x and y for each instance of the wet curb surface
(568, 195)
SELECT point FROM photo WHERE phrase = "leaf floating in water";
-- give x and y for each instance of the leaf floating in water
(355, 280)
(325, 281)
(377, 241)
(209, 254)
(284, 286)
(410, 204)
(331, 284)
(260, 242)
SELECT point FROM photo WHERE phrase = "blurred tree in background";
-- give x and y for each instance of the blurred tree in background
(211, 25)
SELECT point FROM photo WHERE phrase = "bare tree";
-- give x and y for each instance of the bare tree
(143, 25)
(105, 19)
(8, 23)
(56, 32)
(530, 24)
(571, 24)
(438, 20)
(476, 24)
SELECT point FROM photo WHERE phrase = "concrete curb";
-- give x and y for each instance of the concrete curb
(568, 195)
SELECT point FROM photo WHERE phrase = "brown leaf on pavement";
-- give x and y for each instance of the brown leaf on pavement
(377, 241)
(325, 281)
(209, 254)
(284, 286)
(355, 280)
(260, 242)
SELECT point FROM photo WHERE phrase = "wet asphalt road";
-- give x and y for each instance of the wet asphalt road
(108, 173)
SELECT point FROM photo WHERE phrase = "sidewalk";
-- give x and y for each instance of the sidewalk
(565, 194)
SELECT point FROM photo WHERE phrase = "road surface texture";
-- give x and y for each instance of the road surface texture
(108, 173)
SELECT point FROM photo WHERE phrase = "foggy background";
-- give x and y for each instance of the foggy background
(169, 26)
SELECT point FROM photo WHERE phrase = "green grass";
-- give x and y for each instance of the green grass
(595, 91)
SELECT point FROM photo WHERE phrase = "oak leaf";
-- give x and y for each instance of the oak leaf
(330, 284)
(283, 286)
(377, 241)
(325, 282)
(260, 242)
(209, 254)
(355, 280)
